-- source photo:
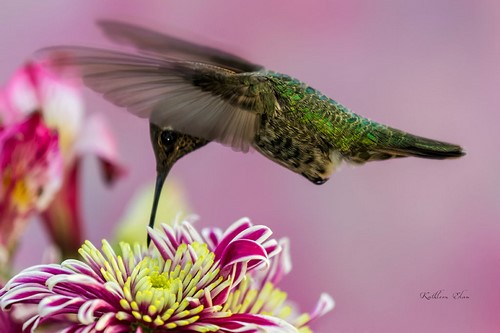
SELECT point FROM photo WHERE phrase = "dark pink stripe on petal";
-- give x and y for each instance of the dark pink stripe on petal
(83, 268)
(28, 293)
(281, 265)
(54, 305)
(242, 250)
(230, 234)
(257, 233)
(165, 242)
(272, 247)
(245, 322)
(221, 296)
(212, 237)
(36, 275)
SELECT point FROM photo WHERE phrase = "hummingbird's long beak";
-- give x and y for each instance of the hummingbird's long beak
(160, 180)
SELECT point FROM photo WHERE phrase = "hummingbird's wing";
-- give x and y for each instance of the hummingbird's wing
(148, 40)
(193, 98)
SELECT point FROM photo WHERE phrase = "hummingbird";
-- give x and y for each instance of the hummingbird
(194, 94)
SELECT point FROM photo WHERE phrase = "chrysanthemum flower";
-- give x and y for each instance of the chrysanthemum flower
(30, 175)
(187, 282)
(59, 101)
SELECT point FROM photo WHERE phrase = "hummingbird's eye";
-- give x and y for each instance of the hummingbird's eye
(168, 138)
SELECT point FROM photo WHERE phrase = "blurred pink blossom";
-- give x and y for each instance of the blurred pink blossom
(37, 86)
(31, 174)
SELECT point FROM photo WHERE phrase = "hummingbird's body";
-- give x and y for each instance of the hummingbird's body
(300, 110)
(194, 94)
(311, 134)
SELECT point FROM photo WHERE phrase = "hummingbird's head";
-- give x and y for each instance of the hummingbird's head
(169, 146)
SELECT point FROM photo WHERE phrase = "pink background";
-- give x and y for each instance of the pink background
(374, 237)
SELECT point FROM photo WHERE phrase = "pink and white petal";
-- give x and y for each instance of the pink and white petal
(211, 237)
(31, 324)
(219, 295)
(325, 304)
(97, 139)
(239, 273)
(87, 313)
(36, 274)
(115, 289)
(170, 235)
(272, 247)
(120, 328)
(230, 234)
(73, 278)
(82, 268)
(257, 233)
(189, 234)
(27, 294)
(57, 304)
(281, 265)
(164, 241)
(81, 285)
(104, 321)
(244, 322)
(32, 277)
(87, 329)
(243, 250)
(237, 227)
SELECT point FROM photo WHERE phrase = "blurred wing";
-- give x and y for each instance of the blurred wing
(201, 100)
(148, 40)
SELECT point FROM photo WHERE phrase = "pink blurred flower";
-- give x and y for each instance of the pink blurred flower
(185, 283)
(35, 87)
(31, 174)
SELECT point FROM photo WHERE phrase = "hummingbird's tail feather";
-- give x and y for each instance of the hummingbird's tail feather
(425, 148)
(386, 143)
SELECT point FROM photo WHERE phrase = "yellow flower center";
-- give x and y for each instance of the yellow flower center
(160, 281)
(22, 196)
(163, 294)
